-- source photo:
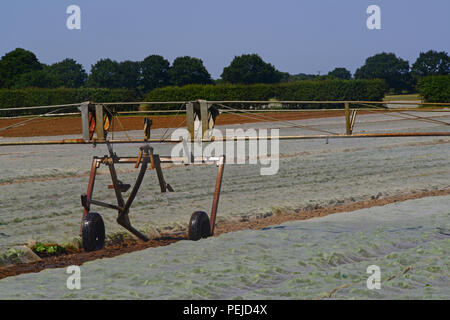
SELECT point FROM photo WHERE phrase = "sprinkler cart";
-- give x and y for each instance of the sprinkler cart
(97, 120)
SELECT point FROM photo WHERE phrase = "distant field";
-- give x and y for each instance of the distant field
(397, 97)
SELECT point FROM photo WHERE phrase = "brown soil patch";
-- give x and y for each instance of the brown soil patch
(72, 125)
(81, 257)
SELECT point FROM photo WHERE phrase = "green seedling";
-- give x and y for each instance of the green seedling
(49, 249)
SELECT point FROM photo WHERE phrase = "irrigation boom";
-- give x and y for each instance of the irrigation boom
(247, 138)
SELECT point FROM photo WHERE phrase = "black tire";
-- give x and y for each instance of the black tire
(199, 226)
(93, 232)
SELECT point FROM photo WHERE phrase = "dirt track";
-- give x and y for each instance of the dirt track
(81, 257)
(64, 126)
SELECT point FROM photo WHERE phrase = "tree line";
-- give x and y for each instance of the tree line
(21, 68)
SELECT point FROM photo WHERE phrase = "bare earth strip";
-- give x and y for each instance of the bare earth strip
(66, 126)
(78, 258)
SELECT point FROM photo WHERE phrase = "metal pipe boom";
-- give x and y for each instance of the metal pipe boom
(216, 139)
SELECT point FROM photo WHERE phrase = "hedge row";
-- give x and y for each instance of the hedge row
(368, 90)
(11, 98)
(435, 88)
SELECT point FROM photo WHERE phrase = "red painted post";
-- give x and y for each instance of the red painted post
(90, 189)
(216, 195)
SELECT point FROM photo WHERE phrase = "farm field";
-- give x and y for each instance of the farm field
(319, 258)
(40, 186)
(52, 126)
(402, 97)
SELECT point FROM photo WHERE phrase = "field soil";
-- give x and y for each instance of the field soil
(72, 125)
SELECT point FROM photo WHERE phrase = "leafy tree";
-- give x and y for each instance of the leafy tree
(250, 68)
(340, 73)
(38, 79)
(107, 73)
(129, 74)
(302, 76)
(388, 67)
(435, 88)
(187, 70)
(431, 63)
(155, 72)
(285, 76)
(104, 74)
(69, 73)
(15, 63)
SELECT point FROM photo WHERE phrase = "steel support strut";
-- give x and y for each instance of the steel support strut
(122, 206)
(216, 195)
(157, 165)
(123, 218)
(90, 189)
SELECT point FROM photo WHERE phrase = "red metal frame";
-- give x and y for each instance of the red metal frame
(145, 157)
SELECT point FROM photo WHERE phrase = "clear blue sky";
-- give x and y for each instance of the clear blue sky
(297, 36)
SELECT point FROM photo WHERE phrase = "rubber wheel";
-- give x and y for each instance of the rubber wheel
(93, 232)
(199, 226)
